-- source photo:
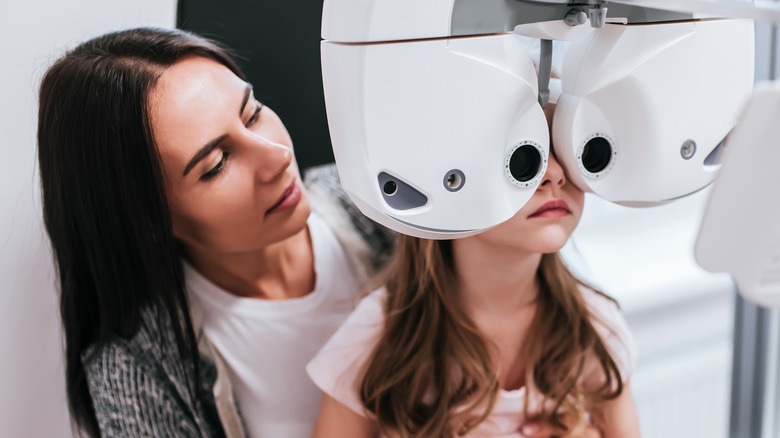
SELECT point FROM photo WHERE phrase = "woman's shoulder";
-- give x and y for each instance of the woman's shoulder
(129, 365)
(332, 203)
(138, 383)
(150, 350)
(142, 346)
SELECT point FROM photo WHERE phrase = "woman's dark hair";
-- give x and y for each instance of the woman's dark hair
(104, 198)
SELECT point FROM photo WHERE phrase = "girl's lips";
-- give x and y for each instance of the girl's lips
(552, 209)
(289, 198)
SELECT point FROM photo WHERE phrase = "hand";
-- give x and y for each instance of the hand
(542, 429)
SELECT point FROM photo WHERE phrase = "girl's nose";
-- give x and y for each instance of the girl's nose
(555, 174)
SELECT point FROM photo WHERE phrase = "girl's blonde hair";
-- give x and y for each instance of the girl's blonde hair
(432, 361)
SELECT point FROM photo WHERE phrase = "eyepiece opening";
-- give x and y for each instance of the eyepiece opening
(597, 154)
(525, 162)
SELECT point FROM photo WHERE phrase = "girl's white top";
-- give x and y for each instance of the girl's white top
(336, 368)
(267, 343)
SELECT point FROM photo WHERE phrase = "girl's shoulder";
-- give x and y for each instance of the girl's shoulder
(600, 303)
(337, 367)
(360, 331)
(613, 329)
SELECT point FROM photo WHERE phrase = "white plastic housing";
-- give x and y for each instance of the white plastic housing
(417, 110)
(649, 89)
(740, 231)
(382, 20)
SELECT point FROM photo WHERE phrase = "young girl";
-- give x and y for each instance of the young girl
(480, 336)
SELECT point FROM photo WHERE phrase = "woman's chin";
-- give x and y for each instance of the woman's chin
(271, 233)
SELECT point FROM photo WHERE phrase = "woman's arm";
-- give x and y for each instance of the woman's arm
(336, 420)
(617, 418)
(130, 400)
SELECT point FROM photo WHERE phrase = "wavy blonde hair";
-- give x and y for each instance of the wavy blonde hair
(432, 361)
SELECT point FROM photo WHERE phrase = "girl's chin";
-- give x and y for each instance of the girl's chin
(547, 249)
(550, 243)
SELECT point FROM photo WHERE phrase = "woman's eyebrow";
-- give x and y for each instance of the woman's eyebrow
(247, 91)
(206, 150)
(203, 153)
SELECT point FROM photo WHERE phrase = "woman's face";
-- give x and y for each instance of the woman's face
(546, 222)
(232, 180)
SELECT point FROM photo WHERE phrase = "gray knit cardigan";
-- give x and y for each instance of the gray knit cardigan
(138, 384)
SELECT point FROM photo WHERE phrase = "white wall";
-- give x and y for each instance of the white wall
(681, 316)
(32, 34)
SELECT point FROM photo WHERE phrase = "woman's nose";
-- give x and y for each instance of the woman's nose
(555, 174)
(272, 158)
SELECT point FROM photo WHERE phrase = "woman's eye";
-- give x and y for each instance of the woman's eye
(216, 169)
(255, 115)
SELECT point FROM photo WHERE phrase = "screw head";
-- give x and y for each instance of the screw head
(688, 149)
(454, 180)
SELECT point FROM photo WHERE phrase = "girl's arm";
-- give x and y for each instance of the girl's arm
(543, 429)
(336, 420)
(617, 418)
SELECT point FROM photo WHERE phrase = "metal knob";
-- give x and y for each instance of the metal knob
(576, 17)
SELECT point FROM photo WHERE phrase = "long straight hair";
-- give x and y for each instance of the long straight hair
(431, 374)
(104, 200)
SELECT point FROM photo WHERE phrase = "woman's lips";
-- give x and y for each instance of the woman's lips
(289, 198)
(552, 209)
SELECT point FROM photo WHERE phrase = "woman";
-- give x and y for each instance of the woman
(473, 337)
(193, 278)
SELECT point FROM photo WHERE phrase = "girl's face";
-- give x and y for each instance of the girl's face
(546, 222)
(231, 176)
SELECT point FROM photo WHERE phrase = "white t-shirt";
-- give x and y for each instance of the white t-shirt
(336, 367)
(267, 343)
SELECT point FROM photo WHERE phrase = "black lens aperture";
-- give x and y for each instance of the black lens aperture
(596, 154)
(524, 163)
(390, 188)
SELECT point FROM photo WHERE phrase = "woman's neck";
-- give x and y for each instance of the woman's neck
(279, 271)
(495, 279)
